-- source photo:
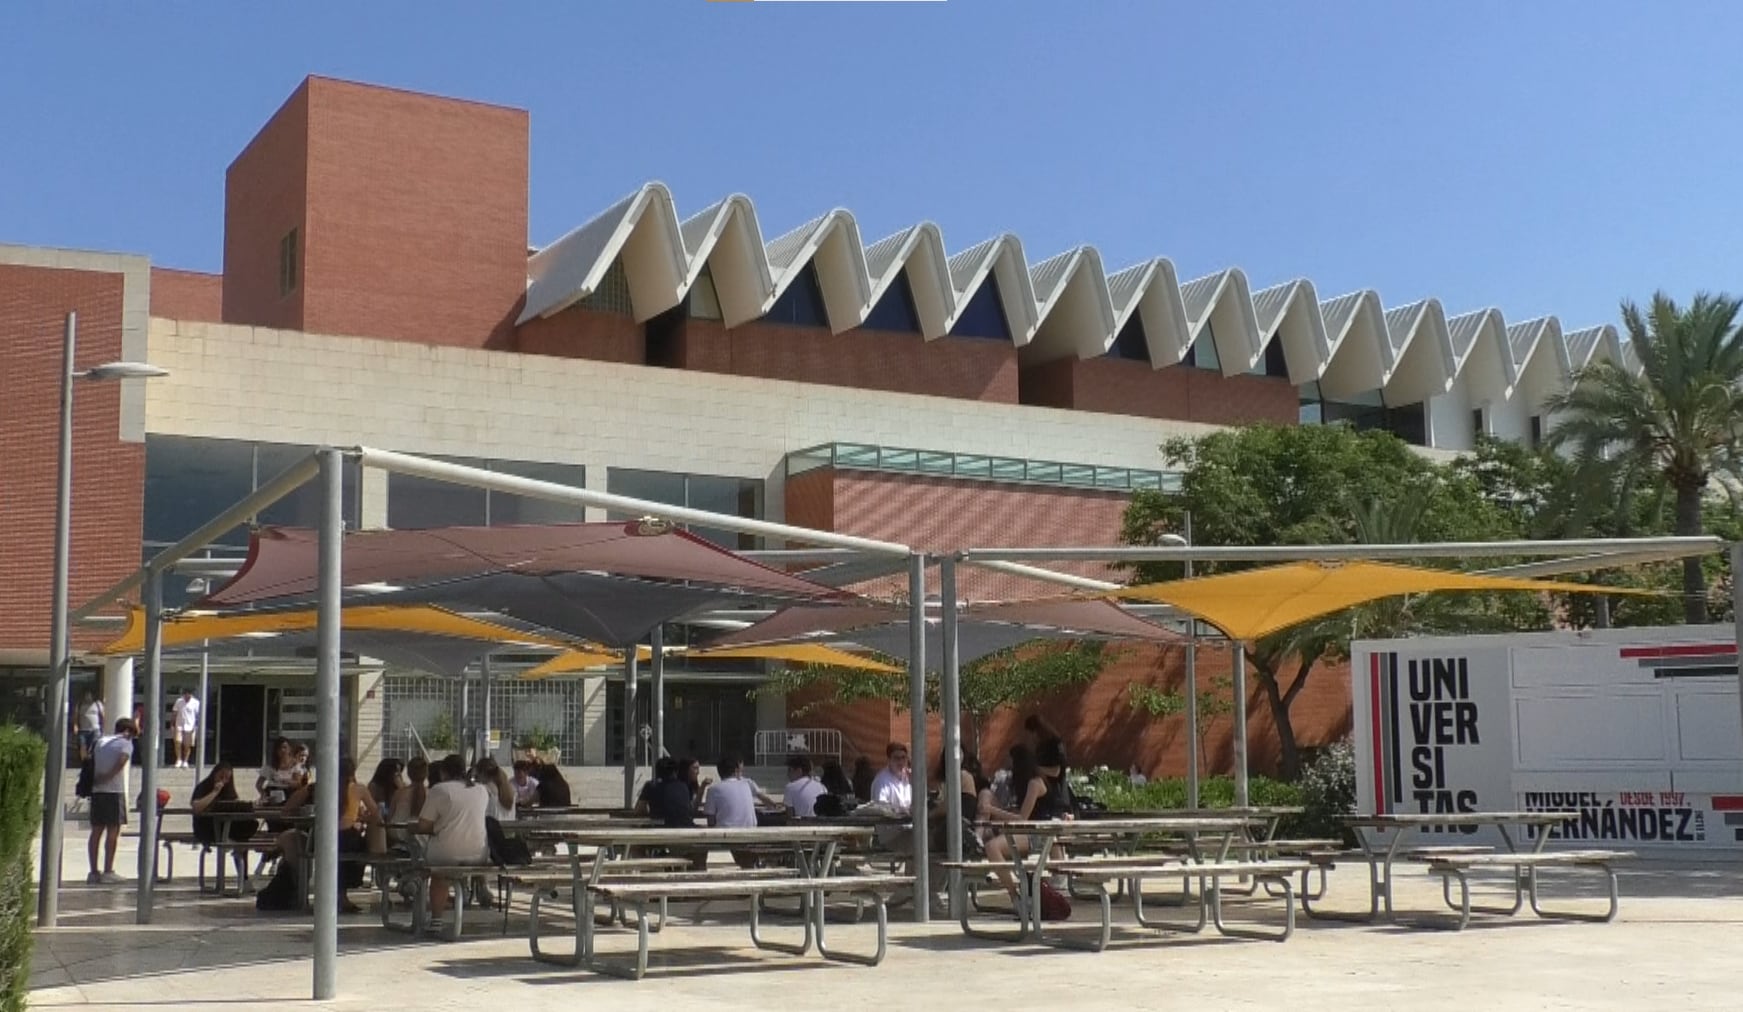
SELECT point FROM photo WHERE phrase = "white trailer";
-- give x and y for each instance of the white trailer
(1635, 730)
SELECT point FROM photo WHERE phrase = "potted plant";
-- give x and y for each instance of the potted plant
(539, 745)
(441, 734)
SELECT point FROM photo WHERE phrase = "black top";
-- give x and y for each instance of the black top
(1055, 801)
(671, 802)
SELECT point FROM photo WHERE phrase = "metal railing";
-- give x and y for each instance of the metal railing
(773, 747)
(982, 467)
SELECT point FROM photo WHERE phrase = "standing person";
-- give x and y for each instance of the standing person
(109, 759)
(803, 790)
(187, 724)
(90, 724)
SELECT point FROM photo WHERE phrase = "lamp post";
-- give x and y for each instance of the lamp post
(48, 892)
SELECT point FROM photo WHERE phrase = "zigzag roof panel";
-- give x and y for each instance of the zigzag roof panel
(662, 253)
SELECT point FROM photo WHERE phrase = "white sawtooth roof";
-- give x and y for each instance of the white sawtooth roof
(1065, 305)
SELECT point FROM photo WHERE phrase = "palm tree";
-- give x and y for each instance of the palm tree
(1678, 417)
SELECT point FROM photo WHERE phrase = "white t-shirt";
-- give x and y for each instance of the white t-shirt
(889, 789)
(801, 796)
(458, 814)
(112, 754)
(732, 804)
(91, 717)
(187, 714)
(528, 792)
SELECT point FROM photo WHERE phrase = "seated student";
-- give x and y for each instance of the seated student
(408, 801)
(553, 789)
(489, 774)
(802, 789)
(1039, 777)
(384, 784)
(453, 818)
(667, 797)
(526, 786)
(732, 803)
(217, 793)
(358, 815)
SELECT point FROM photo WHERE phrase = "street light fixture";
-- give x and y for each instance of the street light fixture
(53, 814)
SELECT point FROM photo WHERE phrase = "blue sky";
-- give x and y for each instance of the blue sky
(1549, 156)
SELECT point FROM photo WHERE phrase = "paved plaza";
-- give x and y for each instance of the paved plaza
(1674, 945)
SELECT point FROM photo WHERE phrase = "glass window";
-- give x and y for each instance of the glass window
(507, 508)
(188, 481)
(704, 301)
(1131, 344)
(1203, 354)
(414, 502)
(895, 312)
(302, 508)
(1275, 364)
(801, 305)
(984, 316)
(741, 497)
(612, 295)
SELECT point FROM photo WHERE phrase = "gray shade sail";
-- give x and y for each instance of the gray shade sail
(614, 611)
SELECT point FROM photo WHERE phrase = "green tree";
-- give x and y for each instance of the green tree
(1303, 485)
(1009, 678)
(1678, 417)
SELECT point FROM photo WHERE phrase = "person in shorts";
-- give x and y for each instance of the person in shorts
(109, 761)
(186, 725)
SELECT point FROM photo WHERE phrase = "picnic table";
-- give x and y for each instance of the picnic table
(1122, 834)
(223, 818)
(591, 875)
(1382, 840)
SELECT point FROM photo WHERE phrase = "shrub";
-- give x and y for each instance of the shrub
(1328, 792)
(22, 755)
(1114, 790)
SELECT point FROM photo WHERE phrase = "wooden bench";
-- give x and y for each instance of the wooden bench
(1524, 867)
(639, 892)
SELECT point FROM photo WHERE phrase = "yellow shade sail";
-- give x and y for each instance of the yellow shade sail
(1257, 602)
(186, 630)
(803, 653)
(580, 660)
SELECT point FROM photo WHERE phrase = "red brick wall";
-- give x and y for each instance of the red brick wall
(945, 514)
(1101, 726)
(265, 196)
(578, 332)
(413, 212)
(187, 295)
(1182, 393)
(864, 359)
(108, 474)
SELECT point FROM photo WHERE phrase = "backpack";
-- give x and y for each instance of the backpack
(87, 779)
(505, 851)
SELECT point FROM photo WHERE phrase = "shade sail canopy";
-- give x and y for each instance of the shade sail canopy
(192, 630)
(981, 629)
(1257, 602)
(803, 653)
(612, 611)
(282, 561)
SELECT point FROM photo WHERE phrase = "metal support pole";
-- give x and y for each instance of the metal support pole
(950, 707)
(327, 782)
(629, 715)
(657, 640)
(917, 747)
(1192, 746)
(54, 778)
(150, 746)
(1240, 650)
(200, 731)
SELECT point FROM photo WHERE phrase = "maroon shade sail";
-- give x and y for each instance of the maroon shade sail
(282, 561)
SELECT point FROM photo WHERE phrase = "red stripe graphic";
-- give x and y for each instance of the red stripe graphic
(1728, 802)
(1379, 763)
(1687, 650)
